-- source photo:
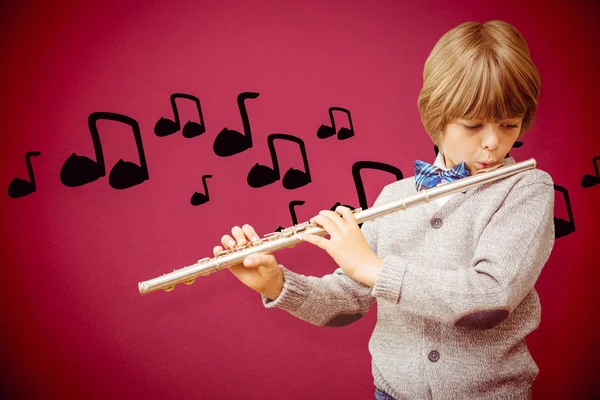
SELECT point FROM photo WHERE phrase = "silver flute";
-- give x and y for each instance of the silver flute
(289, 237)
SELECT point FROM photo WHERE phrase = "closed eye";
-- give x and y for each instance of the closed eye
(473, 127)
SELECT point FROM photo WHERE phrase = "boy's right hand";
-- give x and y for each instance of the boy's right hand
(258, 271)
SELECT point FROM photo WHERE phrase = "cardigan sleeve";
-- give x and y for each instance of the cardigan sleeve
(333, 300)
(508, 258)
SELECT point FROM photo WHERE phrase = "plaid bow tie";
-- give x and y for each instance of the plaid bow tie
(428, 176)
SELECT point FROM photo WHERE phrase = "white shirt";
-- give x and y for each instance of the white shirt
(439, 162)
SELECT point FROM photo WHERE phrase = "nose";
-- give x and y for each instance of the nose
(489, 138)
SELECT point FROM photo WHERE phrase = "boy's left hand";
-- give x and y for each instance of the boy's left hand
(347, 244)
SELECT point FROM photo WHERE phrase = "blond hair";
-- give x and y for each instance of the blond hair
(478, 71)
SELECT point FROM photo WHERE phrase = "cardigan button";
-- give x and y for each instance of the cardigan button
(436, 223)
(433, 356)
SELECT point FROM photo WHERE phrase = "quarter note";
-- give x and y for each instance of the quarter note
(262, 175)
(337, 204)
(589, 180)
(19, 187)
(201, 198)
(166, 127)
(230, 142)
(357, 169)
(326, 131)
(564, 227)
(81, 170)
(515, 145)
(292, 208)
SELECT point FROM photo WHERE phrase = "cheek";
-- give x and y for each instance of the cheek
(510, 140)
(455, 141)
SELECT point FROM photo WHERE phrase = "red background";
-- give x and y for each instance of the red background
(73, 322)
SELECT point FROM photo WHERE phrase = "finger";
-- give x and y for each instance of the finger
(316, 240)
(326, 223)
(256, 260)
(217, 249)
(240, 271)
(330, 221)
(239, 235)
(337, 216)
(250, 232)
(347, 214)
(227, 241)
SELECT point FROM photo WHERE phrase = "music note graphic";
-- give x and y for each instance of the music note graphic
(166, 127)
(19, 187)
(515, 145)
(229, 142)
(337, 203)
(357, 168)
(292, 208)
(326, 131)
(261, 175)
(81, 170)
(563, 227)
(589, 180)
(201, 198)
(358, 182)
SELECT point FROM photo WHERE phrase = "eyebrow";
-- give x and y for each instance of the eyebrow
(502, 120)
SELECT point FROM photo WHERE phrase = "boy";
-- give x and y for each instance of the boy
(454, 279)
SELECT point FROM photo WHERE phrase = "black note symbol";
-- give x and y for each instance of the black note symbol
(589, 180)
(292, 209)
(357, 168)
(262, 175)
(515, 145)
(564, 227)
(337, 203)
(201, 198)
(166, 127)
(326, 131)
(19, 187)
(229, 142)
(81, 170)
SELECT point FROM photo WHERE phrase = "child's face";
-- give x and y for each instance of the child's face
(477, 142)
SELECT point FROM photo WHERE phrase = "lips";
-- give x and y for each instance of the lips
(485, 164)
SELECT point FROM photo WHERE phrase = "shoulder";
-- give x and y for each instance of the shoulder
(534, 185)
(527, 178)
(396, 190)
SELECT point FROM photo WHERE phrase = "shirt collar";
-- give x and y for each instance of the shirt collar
(439, 162)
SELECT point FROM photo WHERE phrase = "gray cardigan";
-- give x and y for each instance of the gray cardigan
(455, 292)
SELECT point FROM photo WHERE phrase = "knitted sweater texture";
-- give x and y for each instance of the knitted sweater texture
(455, 292)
